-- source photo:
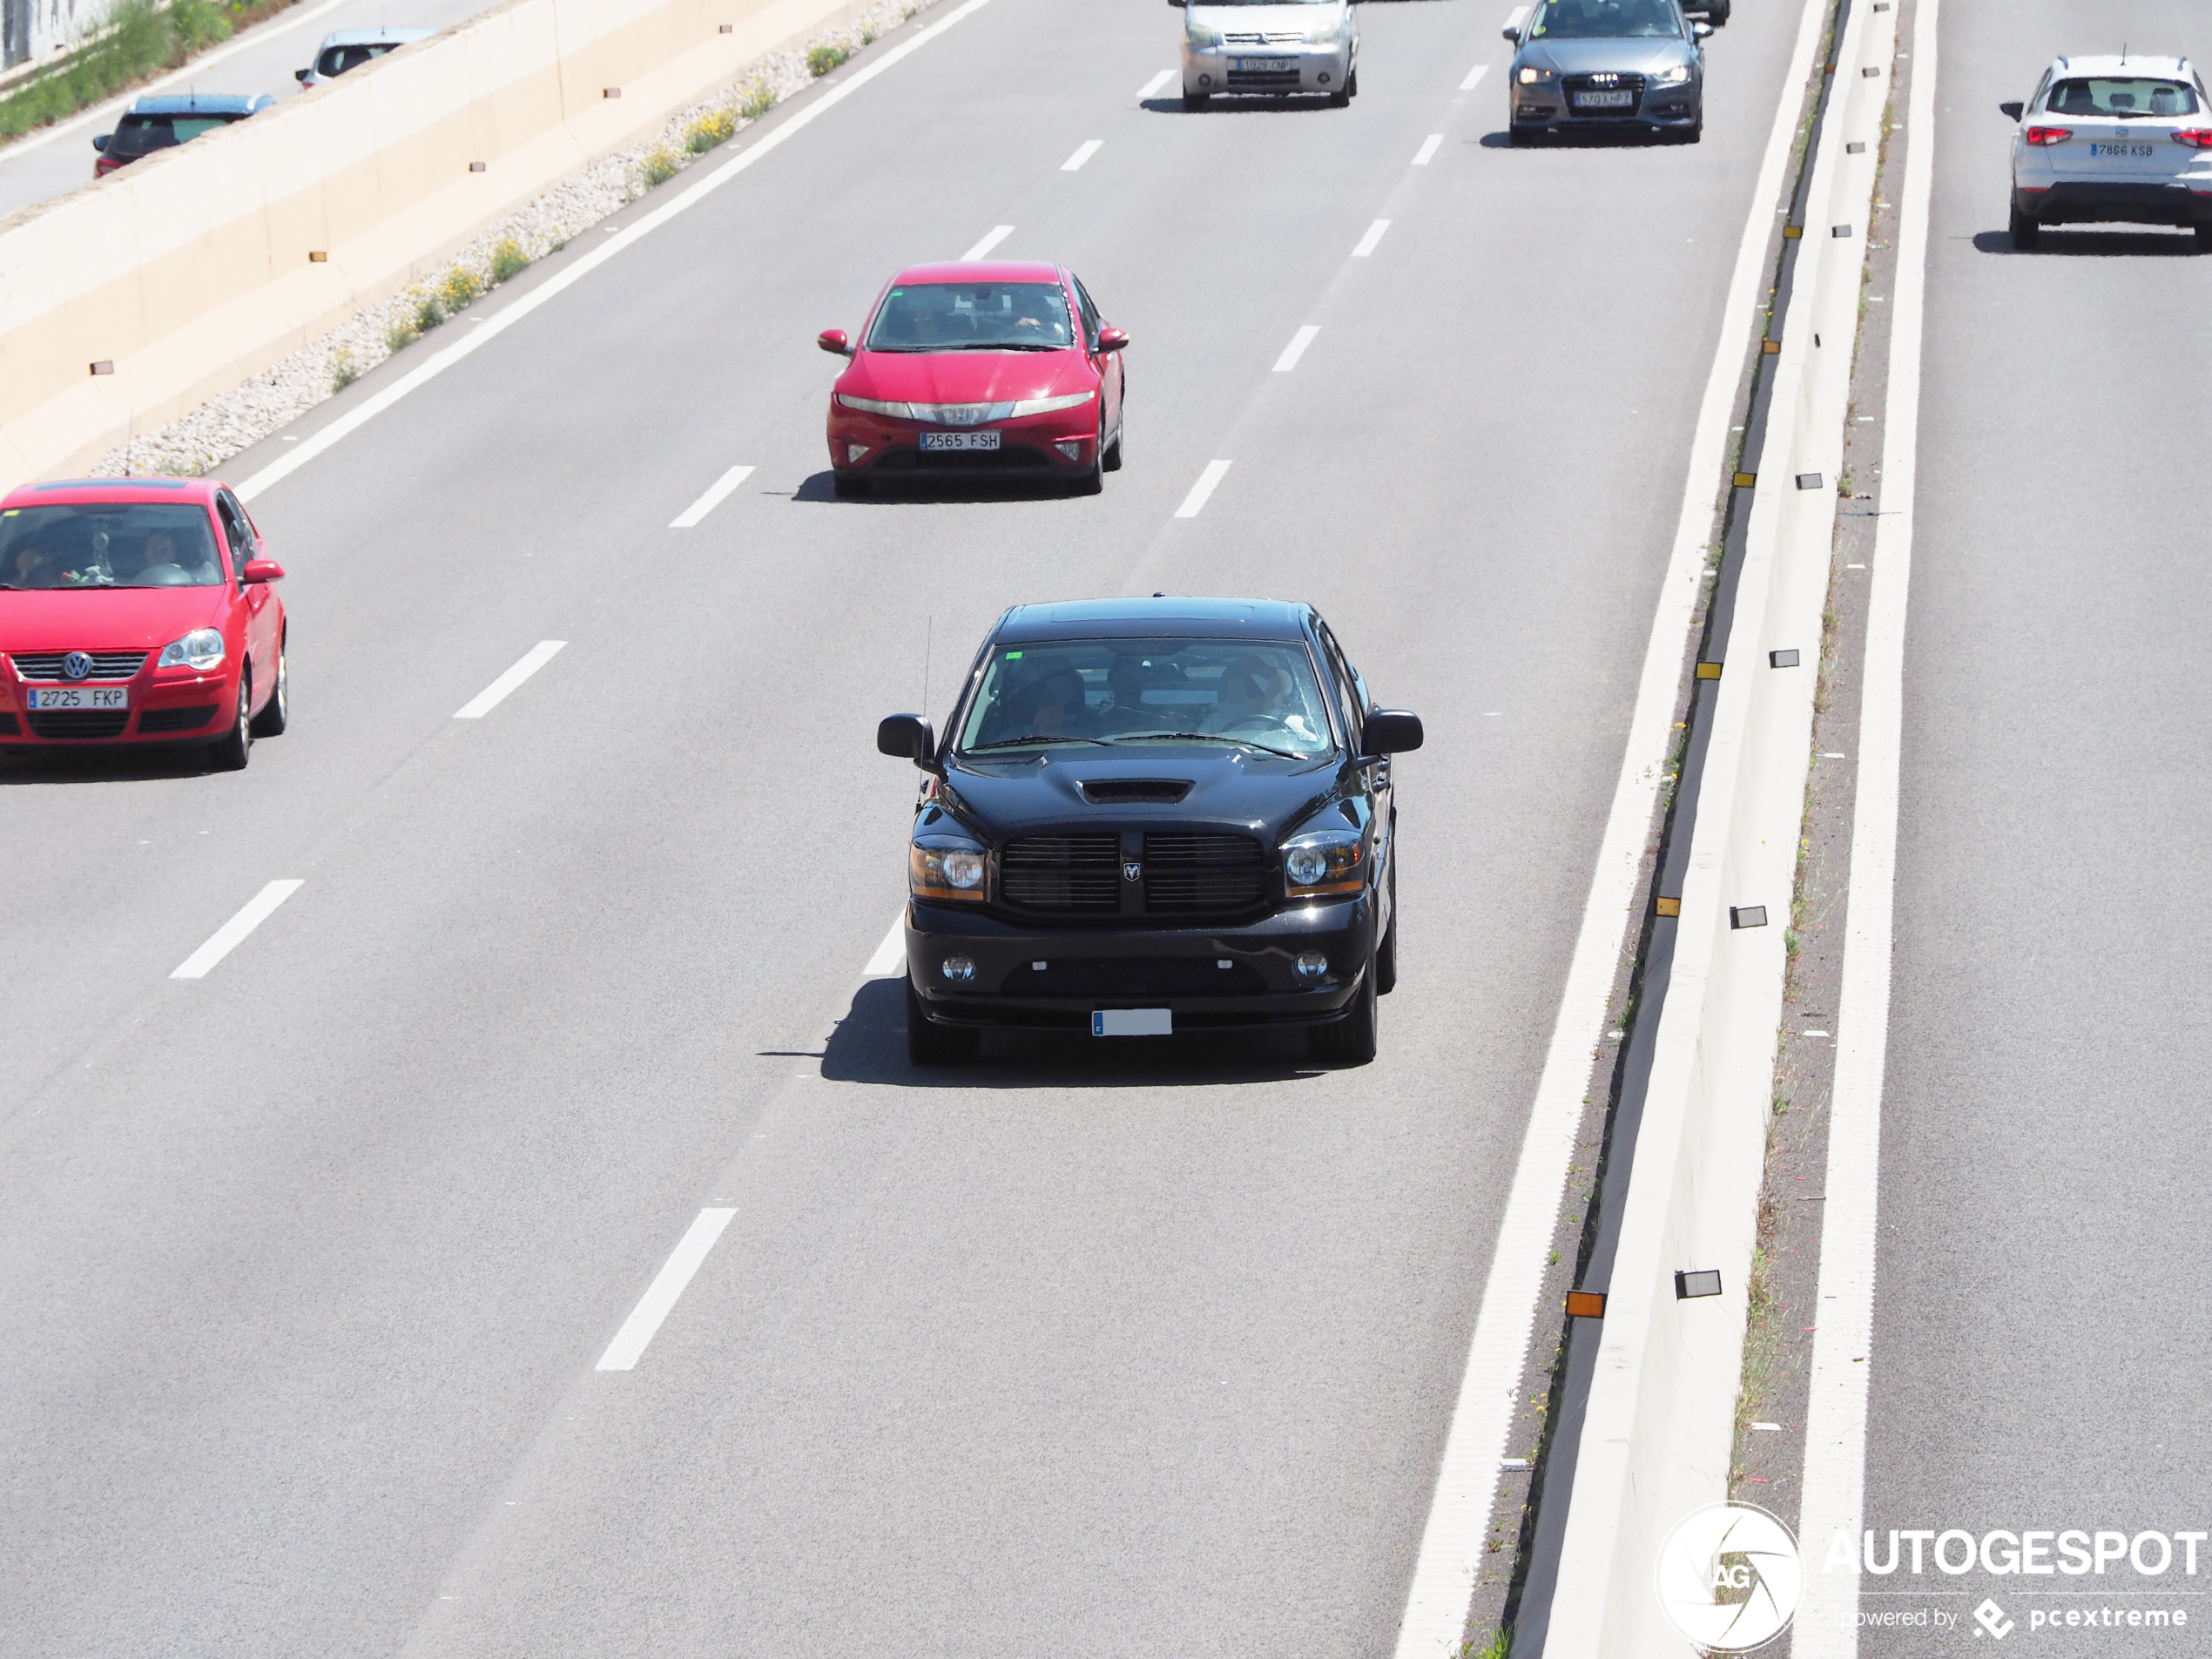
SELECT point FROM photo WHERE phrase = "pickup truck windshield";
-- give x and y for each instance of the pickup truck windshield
(1261, 695)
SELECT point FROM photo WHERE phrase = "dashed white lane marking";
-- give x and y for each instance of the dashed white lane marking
(660, 1296)
(495, 694)
(890, 956)
(1429, 147)
(1474, 78)
(1215, 472)
(716, 493)
(226, 938)
(998, 234)
(1454, 1540)
(1084, 152)
(1296, 349)
(1517, 16)
(1154, 84)
(1367, 242)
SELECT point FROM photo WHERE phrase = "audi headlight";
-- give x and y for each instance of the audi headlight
(1323, 861)
(872, 406)
(201, 649)
(1674, 76)
(944, 867)
(1532, 75)
(1050, 405)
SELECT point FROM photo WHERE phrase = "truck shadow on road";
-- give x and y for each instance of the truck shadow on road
(869, 1046)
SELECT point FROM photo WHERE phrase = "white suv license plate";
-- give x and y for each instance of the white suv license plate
(1263, 63)
(1132, 1022)
(959, 440)
(79, 696)
(2124, 151)
(1622, 100)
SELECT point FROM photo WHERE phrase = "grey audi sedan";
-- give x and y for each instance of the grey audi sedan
(1581, 65)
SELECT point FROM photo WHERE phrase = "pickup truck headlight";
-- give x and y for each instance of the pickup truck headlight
(945, 866)
(1320, 861)
(201, 649)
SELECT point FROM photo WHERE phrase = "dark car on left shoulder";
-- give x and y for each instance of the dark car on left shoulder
(1152, 816)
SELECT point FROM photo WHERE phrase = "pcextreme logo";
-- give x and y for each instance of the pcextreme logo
(1728, 1577)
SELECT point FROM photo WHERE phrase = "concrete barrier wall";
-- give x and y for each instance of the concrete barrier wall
(189, 270)
(1659, 1432)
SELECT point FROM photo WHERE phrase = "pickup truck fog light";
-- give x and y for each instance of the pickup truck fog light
(959, 970)
(1312, 965)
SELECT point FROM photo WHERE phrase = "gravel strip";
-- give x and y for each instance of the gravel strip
(238, 419)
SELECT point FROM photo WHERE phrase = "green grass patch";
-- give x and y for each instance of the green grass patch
(509, 259)
(820, 59)
(759, 98)
(709, 131)
(140, 43)
(344, 371)
(460, 289)
(659, 164)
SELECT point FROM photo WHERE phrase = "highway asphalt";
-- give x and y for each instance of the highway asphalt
(1143, 1350)
(2039, 1331)
(52, 162)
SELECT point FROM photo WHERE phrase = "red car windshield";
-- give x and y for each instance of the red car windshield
(108, 544)
(972, 316)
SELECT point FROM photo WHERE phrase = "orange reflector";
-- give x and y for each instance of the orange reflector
(1586, 1305)
(1791, 232)
(1771, 347)
(1668, 907)
(1709, 671)
(1746, 480)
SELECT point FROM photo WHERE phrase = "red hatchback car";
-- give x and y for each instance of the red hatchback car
(138, 611)
(994, 368)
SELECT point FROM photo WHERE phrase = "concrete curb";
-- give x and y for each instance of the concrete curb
(1658, 1435)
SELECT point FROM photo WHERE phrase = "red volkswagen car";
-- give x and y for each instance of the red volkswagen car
(138, 611)
(994, 368)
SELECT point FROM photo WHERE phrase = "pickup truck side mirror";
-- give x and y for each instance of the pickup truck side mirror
(833, 341)
(1390, 731)
(909, 736)
(2016, 109)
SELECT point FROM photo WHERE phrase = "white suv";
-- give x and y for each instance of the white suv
(2124, 140)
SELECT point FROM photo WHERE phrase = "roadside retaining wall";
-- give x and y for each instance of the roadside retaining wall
(1659, 1432)
(188, 271)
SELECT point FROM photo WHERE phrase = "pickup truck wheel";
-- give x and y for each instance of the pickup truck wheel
(1350, 1041)
(935, 1045)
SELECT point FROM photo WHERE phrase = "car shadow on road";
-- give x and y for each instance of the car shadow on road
(1502, 140)
(954, 488)
(869, 1046)
(132, 765)
(2092, 244)
(1239, 105)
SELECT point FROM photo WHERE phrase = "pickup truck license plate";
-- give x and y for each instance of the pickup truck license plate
(1132, 1022)
(78, 697)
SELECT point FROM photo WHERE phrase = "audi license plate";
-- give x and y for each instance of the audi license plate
(79, 696)
(1264, 65)
(1621, 100)
(959, 440)
(2125, 151)
(1132, 1022)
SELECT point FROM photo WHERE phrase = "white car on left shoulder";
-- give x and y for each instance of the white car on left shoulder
(1269, 48)
(2114, 140)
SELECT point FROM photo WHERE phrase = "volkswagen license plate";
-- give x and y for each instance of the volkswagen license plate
(1264, 65)
(1132, 1022)
(78, 697)
(1623, 99)
(959, 440)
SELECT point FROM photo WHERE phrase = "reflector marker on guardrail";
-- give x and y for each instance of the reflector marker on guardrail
(1782, 659)
(1667, 906)
(1704, 1281)
(1747, 915)
(1586, 1305)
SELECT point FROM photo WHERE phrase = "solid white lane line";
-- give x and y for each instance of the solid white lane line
(660, 1296)
(998, 234)
(1296, 349)
(226, 938)
(890, 956)
(1367, 242)
(1429, 146)
(626, 237)
(490, 698)
(716, 494)
(1154, 84)
(1215, 472)
(1453, 1546)
(1084, 152)
(1834, 1490)
(1474, 78)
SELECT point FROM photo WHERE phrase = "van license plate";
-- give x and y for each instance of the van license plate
(1132, 1022)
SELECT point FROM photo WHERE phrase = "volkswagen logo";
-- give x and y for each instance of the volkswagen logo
(75, 665)
(1132, 871)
